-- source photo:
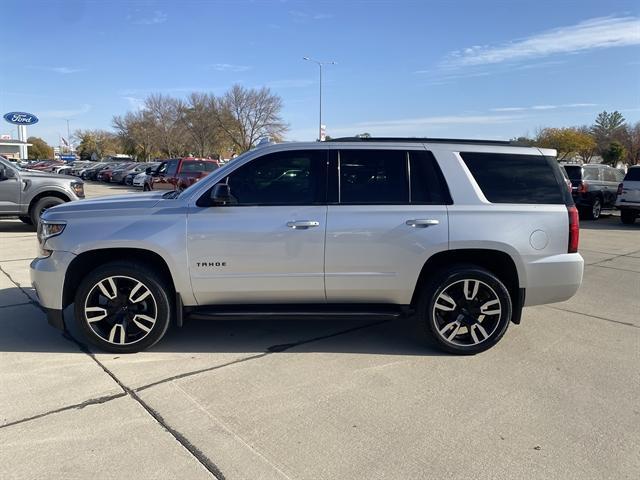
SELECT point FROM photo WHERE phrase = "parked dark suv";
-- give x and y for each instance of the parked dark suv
(593, 188)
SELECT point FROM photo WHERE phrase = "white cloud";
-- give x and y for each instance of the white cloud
(85, 108)
(302, 17)
(59, 69)
(66, 70)
(543, 107)
(228, 67)
(595, 33)
(158, 17)
(135, 103)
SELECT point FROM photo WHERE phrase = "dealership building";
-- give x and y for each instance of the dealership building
(11, 148)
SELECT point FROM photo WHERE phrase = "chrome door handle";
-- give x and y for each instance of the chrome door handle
(302, 224)
(422, 223)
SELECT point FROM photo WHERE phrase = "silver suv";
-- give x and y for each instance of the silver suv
(459, 234)
(28, 193)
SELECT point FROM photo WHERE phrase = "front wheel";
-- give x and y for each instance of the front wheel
(42, 206)
(123, 307)
(465, 309)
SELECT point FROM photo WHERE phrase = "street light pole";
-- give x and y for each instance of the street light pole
(320, 64)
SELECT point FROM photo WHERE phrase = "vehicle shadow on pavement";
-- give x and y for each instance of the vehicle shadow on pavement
(16, 226)
(25, 329)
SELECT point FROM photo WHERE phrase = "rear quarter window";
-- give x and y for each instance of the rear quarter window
(508, 178)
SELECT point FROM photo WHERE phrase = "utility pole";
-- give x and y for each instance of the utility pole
(320, 64)
(68, 138)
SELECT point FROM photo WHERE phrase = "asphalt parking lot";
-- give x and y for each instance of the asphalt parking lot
(558, 397)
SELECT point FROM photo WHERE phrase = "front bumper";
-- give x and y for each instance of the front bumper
(47, 278)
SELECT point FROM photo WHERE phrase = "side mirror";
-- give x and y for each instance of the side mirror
(220, 194)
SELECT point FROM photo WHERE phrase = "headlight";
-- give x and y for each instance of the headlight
(47, 230)
(78, 188)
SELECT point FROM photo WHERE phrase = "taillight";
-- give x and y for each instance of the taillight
(574, 229)
(619, 192)
(584, 187)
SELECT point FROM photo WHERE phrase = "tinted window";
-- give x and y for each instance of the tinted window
(195, 166)
(574, 172)
(172, 167)
(373, 177)
(428, 186)
(591, 173)
(506, 178)
(633, 175)
(283, 178)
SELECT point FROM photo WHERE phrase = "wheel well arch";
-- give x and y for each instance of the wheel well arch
(497, 262)
(48, 193)
(86, 262)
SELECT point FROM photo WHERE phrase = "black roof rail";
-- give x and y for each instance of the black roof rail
(467, 141)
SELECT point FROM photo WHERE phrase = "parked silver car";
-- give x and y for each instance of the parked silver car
(28, 193)
(459, 234)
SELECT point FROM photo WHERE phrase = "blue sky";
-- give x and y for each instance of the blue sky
(493, 69)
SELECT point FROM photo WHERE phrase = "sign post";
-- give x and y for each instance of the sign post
(21, 119)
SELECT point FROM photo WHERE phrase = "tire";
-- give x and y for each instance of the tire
(594, 212)
(26, 220)
(146, 188)
(117, 324)
(452, 302)
(628, 217)
(41, 206)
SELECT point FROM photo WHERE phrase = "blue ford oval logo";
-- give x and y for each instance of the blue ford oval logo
(21, 118)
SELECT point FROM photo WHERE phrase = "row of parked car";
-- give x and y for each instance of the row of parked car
(597, 188)
(171, 174)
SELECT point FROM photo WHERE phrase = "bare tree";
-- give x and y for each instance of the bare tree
(166, 115)
(246, 114)
(200, 123)
(136, 131)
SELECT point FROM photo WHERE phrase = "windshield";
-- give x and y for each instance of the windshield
(223, 168)
(574, 171)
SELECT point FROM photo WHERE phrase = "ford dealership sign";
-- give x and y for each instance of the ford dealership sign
(21, 118)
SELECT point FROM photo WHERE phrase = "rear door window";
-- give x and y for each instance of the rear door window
(373, 177)
(428, 186)
(508, 178)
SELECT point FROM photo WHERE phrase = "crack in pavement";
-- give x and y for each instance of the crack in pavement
(619, 322)
(78, 406)
(16, 304)
(270, 351)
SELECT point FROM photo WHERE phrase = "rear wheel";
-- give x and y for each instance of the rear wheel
(123, 307)
(594, 212)
(628, 216)
(465, 309)
(42, 206)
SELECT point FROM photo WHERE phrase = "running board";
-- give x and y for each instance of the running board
(302, 311)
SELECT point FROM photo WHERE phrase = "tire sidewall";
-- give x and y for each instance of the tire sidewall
(151, 280)
(49, 202)
(445, 278)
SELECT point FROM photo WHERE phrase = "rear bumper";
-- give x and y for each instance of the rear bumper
(553, 279)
